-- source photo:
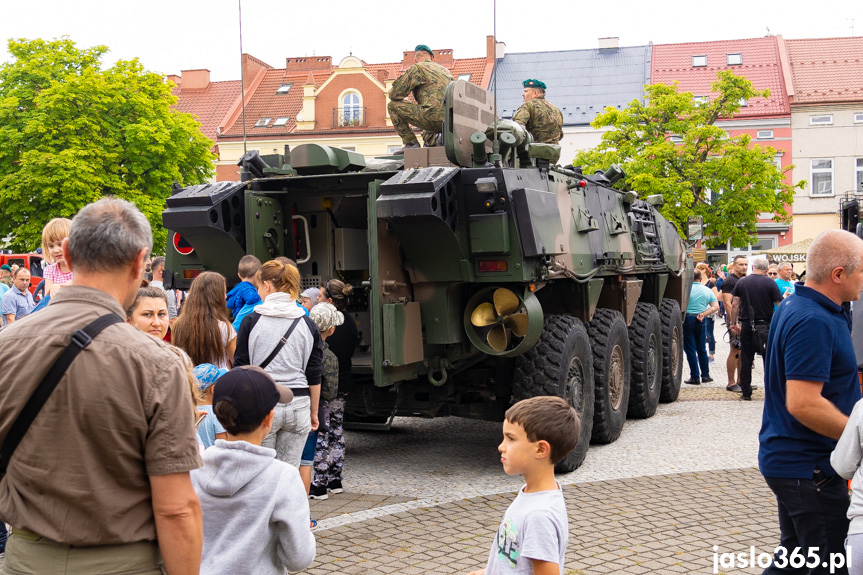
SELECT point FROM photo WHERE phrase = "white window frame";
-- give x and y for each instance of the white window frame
(729, 57)
(697, 61)
(675, 139)
(858, 117)
(858, 175)
(465, 77)
(701, 100)
(262, 122)
(281, 121)
(816, 120)
(813, 191)
(764, 135)
(284, 88)
(743, 102)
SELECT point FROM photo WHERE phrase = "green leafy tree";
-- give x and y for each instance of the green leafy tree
(72, 132)
(672, 146)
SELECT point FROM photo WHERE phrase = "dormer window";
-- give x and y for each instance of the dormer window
(734, 59)
(262, 123)
(281, 121)
(699, 61)
(284, 89)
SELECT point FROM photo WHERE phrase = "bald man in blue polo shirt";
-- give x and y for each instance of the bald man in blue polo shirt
(810, 388)
(702, 303)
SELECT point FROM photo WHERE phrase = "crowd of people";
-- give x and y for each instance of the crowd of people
(186, 434)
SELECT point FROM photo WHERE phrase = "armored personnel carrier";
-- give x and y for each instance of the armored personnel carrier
(481, 277)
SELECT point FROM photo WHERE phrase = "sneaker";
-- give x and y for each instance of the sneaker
(707, 379)
(735, 388)
(754, 387)
(312, 524)
(335, 487)
(693, 382)
(318, 492)
(746, 397)
(711, 359)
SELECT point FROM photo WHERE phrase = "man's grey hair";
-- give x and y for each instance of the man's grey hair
(830, 250)
(158, 262)
(107, 235)
(761, 264)
(784, 265)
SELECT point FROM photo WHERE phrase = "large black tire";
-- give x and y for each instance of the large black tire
(610, 342)
(560, 364)
(645, 345)
(672, 350)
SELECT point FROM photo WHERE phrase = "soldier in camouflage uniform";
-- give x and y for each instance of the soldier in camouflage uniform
(427, 81)
(543, 120)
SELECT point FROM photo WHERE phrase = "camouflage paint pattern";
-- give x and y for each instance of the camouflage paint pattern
(330, 453)
(330, 375)
(543, 120)
(427, 81)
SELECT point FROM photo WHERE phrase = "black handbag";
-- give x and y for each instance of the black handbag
(80, 340)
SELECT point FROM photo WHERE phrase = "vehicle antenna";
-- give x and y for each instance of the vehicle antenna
(494, 66)
(242, 79)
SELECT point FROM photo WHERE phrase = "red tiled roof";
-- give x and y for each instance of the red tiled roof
(826, 69)
(761, 65)
(266, 103)
(209, 105)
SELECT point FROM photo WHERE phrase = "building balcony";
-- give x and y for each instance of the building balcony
(354, 116)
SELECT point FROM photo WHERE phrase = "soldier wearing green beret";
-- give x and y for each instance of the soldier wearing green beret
(427, 81)
(543, 120)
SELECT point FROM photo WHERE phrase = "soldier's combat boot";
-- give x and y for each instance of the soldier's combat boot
(433, 140)
(401, 151)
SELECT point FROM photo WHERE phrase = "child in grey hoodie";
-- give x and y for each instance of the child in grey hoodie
(845, 460)
(255, 509)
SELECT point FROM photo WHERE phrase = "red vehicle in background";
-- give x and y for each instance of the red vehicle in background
(32, 262)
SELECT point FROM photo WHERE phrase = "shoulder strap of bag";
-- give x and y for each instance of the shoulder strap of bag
(279, 345)
(80, 340)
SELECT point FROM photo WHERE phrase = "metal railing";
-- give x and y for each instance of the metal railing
(349, 117)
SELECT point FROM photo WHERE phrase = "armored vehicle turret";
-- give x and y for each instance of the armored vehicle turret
(480, 278)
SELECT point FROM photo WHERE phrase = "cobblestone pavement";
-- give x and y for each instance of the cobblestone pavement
(427, 496)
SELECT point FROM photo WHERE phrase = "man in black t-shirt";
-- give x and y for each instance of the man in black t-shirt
(752, 304)
(736, 271)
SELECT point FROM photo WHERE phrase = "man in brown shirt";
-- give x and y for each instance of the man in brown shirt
(105, 465)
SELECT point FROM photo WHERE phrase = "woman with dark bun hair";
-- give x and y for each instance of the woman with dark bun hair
(330, 455)
(203, 329)
(279, 337)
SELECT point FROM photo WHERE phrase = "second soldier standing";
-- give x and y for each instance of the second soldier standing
(542, 119)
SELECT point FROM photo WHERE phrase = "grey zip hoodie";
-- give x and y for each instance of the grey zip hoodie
(845, 460)
(255, 509)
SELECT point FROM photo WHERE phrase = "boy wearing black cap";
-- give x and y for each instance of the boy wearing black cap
(255, 510)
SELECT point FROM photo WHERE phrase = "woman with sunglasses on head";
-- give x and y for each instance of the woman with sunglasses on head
(330, 455)
(279, 337)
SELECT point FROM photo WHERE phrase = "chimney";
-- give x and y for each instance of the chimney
(493, 50)
(609, 44)
(195, 79)
(173, 78)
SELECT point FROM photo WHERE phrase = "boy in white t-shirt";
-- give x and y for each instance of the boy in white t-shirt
(532, 538)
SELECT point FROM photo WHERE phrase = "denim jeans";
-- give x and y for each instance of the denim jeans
(694, 344)
(708, 330)
(290, 430)
(812, 514)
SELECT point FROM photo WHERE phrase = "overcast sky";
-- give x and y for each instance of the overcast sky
(173, 35)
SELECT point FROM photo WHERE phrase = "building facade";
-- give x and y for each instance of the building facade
(826, 92)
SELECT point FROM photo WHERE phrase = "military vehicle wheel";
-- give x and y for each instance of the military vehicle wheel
(672, 350)
(610, 342)
(560, 364)
(645, 345)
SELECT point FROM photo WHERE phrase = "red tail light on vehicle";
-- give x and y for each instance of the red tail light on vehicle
(493, 265)
(191, 274)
